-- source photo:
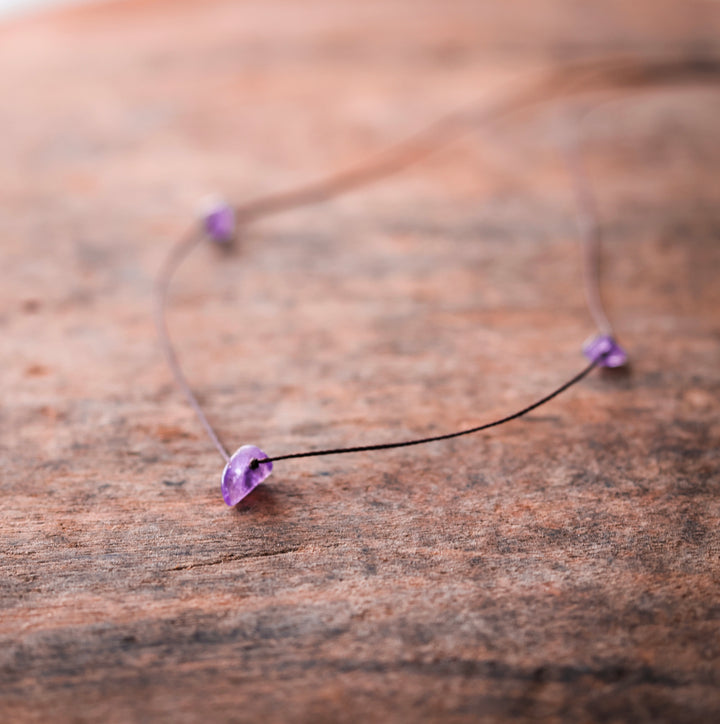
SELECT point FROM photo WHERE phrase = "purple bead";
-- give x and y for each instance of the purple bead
(219, 222)
(239, 477)
(604, 350)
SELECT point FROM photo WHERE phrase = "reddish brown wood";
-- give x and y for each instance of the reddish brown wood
(564, 567)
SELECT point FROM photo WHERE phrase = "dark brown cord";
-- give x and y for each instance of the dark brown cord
(576, 79)
(436, 438)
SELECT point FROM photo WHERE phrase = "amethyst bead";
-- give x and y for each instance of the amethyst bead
(219, 222)
(604, 350)
(240, 477)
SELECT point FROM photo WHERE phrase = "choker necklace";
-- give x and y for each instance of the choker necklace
(248, 466)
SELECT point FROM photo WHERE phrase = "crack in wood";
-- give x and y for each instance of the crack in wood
(231, 558)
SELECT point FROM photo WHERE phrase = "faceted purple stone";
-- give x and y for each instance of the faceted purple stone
(604, 350)
(239, 477)
(219, 222)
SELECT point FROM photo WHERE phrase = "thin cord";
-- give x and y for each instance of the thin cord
(590, 237)
(571, 80)
(406, 154)
(589, 229)
(577, 79)
(162, 283)
(590, 242)
(436, 438)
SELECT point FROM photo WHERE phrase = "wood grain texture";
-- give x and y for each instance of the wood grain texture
(565, 567)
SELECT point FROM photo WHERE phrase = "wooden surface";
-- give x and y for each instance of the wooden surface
(565, 567)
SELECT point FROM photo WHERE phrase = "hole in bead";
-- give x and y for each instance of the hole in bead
(244, 472)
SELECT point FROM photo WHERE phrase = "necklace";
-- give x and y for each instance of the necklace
(248, 466)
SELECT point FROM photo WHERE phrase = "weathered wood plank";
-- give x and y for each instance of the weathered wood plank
(567, 566)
